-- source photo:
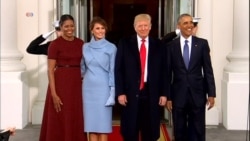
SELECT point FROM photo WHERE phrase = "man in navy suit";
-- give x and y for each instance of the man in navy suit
(37, 46)
(141, 92)
(192, 82)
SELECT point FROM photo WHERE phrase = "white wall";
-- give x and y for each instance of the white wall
(222, 43)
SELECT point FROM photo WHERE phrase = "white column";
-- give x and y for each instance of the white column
(14, 94)
(204, 11)
(46, 16)
(235, 83)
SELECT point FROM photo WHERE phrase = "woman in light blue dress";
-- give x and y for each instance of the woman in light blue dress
(97, 67)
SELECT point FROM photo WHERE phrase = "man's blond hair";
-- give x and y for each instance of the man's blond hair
(142, 17)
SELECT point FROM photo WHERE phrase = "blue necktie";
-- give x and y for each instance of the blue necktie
(186, 54)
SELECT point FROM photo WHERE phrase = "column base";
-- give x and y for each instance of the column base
(14, 100)
(235, 100)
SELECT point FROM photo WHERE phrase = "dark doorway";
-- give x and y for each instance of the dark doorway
(123, 20)
(119, 15)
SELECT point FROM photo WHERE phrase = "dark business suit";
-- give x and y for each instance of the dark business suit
(190, 88)
(127, 81)
(169, 37)
(36, 46)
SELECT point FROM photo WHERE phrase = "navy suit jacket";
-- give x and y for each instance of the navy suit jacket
(169, 37)
(198, 77)
(36, 46)
(127, 81)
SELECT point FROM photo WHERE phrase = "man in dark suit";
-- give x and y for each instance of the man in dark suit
(192, 82)
(37, 46)
(139, 84)
(170, 36)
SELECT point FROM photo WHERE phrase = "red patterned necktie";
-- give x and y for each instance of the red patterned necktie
(143, 61)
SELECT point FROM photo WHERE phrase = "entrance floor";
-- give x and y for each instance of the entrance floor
(213, 133)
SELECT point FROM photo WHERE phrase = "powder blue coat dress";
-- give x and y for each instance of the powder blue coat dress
(97, 68)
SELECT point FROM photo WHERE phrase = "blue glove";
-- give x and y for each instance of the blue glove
(111, 99)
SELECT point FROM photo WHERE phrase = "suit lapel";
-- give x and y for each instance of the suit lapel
(151, 52)
(194, 52)
(135, 49)
(151, 49)
(178, 44)
(177, 48)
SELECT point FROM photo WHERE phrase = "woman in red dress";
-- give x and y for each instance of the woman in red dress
(63, 114)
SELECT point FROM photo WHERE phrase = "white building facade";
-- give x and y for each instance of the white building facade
(224, 23)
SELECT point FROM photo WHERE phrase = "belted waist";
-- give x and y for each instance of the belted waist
(67, 66)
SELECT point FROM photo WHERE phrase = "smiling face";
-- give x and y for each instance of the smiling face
(185, 24)
(68, 29)
(143, 28)
(98, 31)
(142, 25)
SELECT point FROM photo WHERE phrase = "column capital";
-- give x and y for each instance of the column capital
(11, 61)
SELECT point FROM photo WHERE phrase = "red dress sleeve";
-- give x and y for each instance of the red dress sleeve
(53, 50)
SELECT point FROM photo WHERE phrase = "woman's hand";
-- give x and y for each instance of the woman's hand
(57, 103)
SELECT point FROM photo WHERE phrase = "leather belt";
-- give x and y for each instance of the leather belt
(67, 66)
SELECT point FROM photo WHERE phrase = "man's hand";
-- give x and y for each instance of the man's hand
(162, 100)
(122, 99)
(210, 102)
